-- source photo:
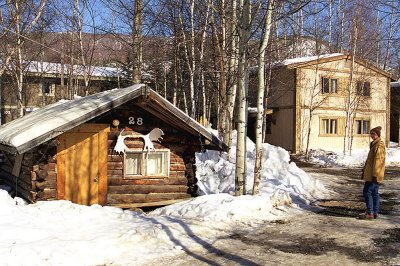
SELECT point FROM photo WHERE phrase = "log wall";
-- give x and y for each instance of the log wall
(180, 184)
(37, 179)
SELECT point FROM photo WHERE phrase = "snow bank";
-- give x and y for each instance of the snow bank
(282, 183)
(63, 233)
(356, 159)
(216, 174)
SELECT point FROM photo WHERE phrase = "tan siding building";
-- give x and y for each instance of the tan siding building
(310, 98)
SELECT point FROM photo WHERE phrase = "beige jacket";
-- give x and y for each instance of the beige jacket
(375, 164)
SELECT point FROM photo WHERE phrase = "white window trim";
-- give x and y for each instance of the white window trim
(143, 152)
(329, 126)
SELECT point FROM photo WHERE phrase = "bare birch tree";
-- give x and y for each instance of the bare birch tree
(261, 93)
(24, 16)
(244, 35)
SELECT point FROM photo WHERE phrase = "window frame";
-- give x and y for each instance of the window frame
(166, 165)
(52, 88)
(362, 120)
(329, 82)
(361, 88)
(330, 121)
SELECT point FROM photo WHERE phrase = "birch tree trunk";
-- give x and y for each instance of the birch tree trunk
(349, 107)
(189, 56)
(260, 97)
(232, 87)
(22, 22)
(244, 29)
(137, 42)
(389, 40)
(379, 37)
(202, 78)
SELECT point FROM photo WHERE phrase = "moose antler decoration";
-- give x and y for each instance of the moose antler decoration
(154, 135)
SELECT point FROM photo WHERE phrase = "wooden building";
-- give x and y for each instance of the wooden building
(67, 150)
(395, 111)
(46, 83)
(310, 95)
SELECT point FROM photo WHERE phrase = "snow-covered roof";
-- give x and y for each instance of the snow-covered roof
(395, 84)
(79, 70)
(307, 59)
(24, 133)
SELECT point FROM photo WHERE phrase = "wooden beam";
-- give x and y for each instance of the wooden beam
(61, 153)
(17, 164)
(103, 154)
(149, 204)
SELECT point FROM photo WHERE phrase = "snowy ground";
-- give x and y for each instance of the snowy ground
(357, 157)
(62, 233)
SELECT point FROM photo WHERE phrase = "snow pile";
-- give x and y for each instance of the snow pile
(280, 177)
(282, 183)
(63, 233)
(356, 159)
(223, 208)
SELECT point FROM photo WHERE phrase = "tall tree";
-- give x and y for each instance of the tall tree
(137, 42)
(261, 95)
(241, 153)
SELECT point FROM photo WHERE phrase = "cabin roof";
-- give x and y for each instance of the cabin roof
(31, 130)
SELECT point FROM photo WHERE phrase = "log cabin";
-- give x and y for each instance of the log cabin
(67, 150)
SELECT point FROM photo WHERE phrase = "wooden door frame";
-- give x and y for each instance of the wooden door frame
(102, 130)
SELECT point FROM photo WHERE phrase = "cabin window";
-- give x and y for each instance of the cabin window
(362, 126)
(329, 85)
(48, 89)
(363, 88)
(146, 164)
(329, 126)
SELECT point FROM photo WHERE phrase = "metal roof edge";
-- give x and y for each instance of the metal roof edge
(74, 123)
(191, 122)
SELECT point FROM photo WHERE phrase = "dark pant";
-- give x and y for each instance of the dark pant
(371, 197)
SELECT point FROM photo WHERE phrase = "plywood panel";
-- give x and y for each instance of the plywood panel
(83, 167)
(82, 164)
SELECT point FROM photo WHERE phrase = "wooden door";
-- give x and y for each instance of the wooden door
(82, 164)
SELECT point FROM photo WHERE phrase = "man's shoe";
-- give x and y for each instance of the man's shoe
(366, 216)
(375, 216)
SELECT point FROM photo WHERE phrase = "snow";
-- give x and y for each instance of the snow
(305, 59)
(20, 131)
(356, 159)
(298, 60)
(395, 84)
(63, 233)
(79, 70)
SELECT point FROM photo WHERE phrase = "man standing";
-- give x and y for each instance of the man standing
(373, 173)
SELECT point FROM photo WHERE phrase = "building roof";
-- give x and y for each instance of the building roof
(31, 130)
(51, 69)
(395, 84)
(304, 60)
(312, 60)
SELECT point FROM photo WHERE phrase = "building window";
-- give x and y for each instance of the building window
(362, 127)
(329, 85)
(48, 89)
(329, 126)
(363, 88)
(146, 164)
